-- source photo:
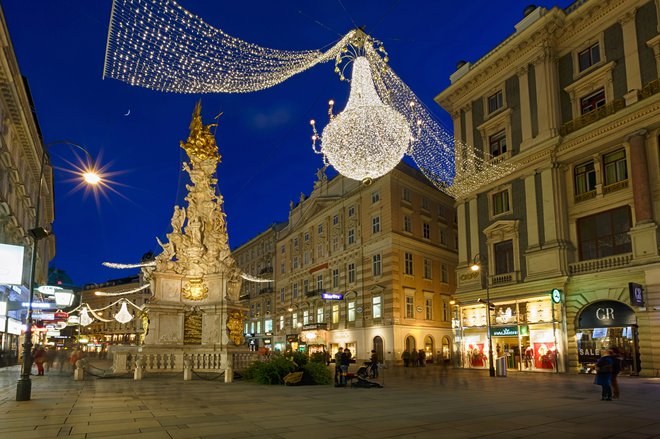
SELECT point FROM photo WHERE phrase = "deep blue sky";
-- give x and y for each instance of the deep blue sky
(264, 137)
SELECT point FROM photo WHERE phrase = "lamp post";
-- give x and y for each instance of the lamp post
(24, 385)
(479, 264)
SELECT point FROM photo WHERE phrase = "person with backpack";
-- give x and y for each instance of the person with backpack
(605, 367)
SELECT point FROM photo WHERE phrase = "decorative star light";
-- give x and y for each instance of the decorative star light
(159, 45)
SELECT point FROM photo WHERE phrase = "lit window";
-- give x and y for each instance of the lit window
(592, 102)
(376, 307)
(305, 317)
(589, 57)
(351, 273)
(377, 265)
(495, 102)
(375, 224)
(426, 229)
(268, 325)
(351, 311)
(500, 202)
(410, 307)
(259, 327)
(497, 143)
(294, 319)
(616, 168)
(407, 224)
(429, 309)
(319, 314)
(428, 268)
(585, 178)
(281, 325)
(335, 313)
(408, 267)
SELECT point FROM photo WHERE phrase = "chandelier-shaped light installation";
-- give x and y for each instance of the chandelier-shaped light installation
(85, 319)
(123, 316)
(159, 45)
(368, 138)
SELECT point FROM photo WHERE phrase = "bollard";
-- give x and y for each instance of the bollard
(187, 370)
(79, 372)
(229, 375)
(139, 369)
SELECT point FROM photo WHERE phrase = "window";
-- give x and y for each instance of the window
(306, 236)
(259, 327)
(504, 257)
(443, 236)
(281, 324)
(500, 202)
(295, 262)
(592, 101)
(410, 307)
(589, 57)
(616, 168)
(282, 295)
(407, 224)
(425, 203)
(305, 286)
(319, 282)
(604, 234)
(442, 211)
(319, 229)
(252, 310)
(495, 102)
(585, 178)
(376, 265)
(426, 230)
(282, 268)
(351, 236)
(406, 194)
(497, 143)
(252, 328)
(268, 325)
(335, 243)
(335, 278)
(295, 242)
(428, 268)
(335, 220)
(375, 197)
(429, 309)
(294, 319)
(319, 314)
(351, 211)
(408, 264)
(335, 313)
(306, 257)
(444, 273)
(351, 311)
(268, 306)
(376, 307)
(375, 224)
(320, 251)
(294, 291)
(283, 249)
(351, 273)
(305, 317)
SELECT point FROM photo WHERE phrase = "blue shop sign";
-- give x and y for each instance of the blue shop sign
(332, 296)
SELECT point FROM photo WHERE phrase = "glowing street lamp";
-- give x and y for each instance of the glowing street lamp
(90, 176)
(479, 264)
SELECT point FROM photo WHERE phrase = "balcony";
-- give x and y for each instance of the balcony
(314, 293)
(266, 270)
(267, 290)
(504, 279)
(585, 196)
(603, 264)
(650, 89)
(615, 187)
(592, 116)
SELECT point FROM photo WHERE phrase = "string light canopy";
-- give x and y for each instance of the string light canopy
(159, 45)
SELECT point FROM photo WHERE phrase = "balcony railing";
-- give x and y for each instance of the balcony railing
(650, 89)
(615, 186)
(609, 263)
(503, 279)
(592, 116)
(585, 196)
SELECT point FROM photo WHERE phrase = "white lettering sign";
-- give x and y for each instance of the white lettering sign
(605, 313)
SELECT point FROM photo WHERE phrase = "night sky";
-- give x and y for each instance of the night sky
(263, 137)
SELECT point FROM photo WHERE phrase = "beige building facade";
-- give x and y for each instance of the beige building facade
(571, 98)
(365, 267)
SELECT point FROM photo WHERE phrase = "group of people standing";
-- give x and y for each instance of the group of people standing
(414, 358)
(607, 369)
(342, 360)
(44, 359)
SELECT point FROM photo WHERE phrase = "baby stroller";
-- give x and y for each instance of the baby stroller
(363, 374)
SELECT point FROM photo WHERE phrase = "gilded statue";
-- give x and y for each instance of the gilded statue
(235, 327)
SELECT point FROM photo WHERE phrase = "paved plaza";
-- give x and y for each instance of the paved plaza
(414, 403)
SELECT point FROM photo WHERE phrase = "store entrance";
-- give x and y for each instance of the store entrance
(507, 347)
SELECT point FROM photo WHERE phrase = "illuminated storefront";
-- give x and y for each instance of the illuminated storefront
(526, 330)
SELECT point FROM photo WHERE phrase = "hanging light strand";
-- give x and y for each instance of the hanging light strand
(123, 293)
(159, 45)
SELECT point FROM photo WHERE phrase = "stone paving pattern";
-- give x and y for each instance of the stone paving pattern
(414, 403)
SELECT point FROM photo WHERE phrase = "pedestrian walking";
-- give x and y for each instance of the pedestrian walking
(345, 362)
(373, 359)
(406, 358)
(39, 358)
(338, 356)
(421, 357)
(604, 372)
(50, 359)
(617, 359)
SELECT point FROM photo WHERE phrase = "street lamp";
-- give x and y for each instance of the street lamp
(479, 264)
(24, 385)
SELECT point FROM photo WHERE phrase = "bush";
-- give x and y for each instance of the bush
(300, 358)
(318, 373)
(318, 357)
(270, 372)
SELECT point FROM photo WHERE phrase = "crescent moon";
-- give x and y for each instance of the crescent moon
(128, 112)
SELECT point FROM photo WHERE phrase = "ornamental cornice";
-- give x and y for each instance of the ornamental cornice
(589, 16)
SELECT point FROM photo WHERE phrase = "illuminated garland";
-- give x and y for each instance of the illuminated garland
(123, 316)
(123, 266)
(123, 293)
(251, 278)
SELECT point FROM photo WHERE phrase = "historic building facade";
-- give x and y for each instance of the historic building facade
(359, 266)
(572, 99)
(21, 149)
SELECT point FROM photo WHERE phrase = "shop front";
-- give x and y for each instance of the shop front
(524, 330)
(315, 336)
(603, 325)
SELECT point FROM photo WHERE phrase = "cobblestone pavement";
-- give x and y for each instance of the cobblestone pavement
(414, 403)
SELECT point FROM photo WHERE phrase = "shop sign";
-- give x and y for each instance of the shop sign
(11, 264)
(3, 309)
(14, 327)
(332, 296)
(636, 294)
(606, 314)
(556, 295)
(314, 326)
(506, 331)
(43, 316)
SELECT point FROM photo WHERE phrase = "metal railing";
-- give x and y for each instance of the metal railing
(592, 116)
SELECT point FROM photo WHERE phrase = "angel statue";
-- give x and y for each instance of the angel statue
(178, 217)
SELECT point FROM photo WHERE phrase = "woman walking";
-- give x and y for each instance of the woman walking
(605, 368)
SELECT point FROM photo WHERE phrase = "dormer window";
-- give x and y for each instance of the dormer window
(495, 102)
